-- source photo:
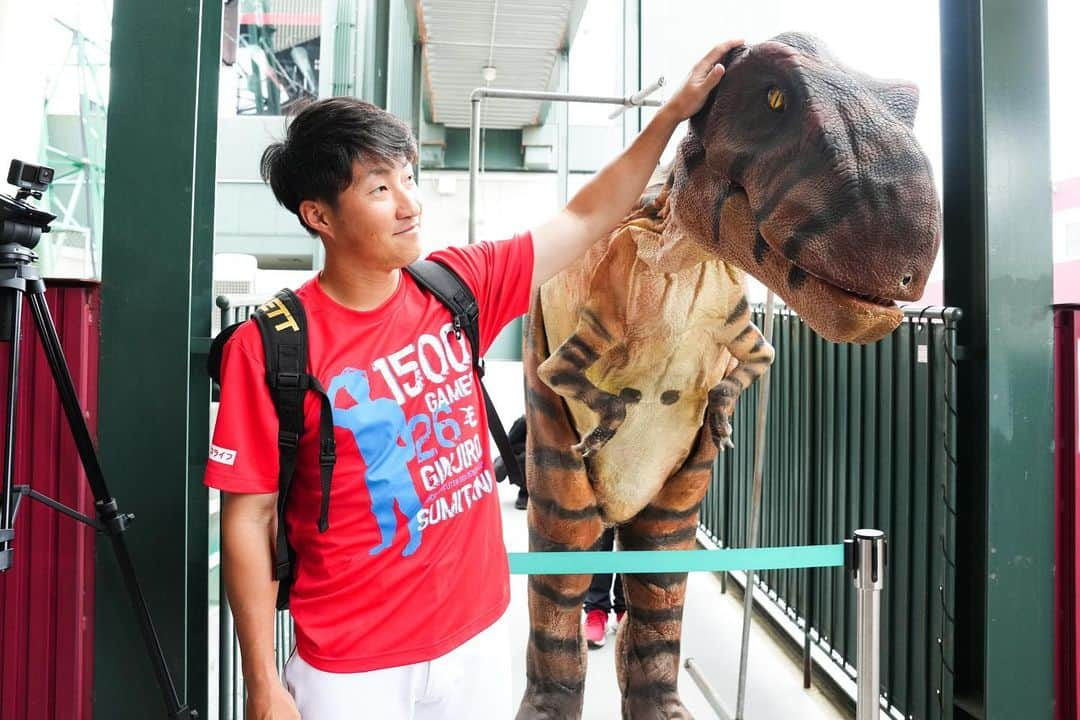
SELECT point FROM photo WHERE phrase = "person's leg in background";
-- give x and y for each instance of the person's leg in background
(619, 606)
(598, 599)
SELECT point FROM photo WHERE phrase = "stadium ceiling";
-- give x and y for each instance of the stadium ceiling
(521, 39)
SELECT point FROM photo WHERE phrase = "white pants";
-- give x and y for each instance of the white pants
(471, 682)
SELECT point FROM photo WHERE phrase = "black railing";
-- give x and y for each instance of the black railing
(858, 436)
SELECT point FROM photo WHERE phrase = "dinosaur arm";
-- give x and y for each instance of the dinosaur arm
(754, 356)
(600, 326)
(564, 372)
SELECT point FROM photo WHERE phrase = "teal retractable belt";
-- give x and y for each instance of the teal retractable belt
(655, 561)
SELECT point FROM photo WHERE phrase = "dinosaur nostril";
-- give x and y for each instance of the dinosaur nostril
(905, 281)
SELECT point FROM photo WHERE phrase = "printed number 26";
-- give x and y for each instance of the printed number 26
(446, 432)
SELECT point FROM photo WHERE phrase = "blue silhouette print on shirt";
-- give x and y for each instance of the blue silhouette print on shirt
(382, 437)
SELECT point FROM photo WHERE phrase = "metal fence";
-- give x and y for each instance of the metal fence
(858, 436)
(231, 678)
(233, 309)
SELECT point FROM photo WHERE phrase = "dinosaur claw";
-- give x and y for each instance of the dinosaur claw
(595, 440)
(721, 435)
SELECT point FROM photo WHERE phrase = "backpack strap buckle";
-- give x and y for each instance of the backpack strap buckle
(327, 452)
(287, 380)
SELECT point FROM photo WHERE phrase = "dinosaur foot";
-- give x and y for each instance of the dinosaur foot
(654, 705)
(551, 701)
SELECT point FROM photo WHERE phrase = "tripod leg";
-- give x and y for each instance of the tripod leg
(114, 521)
(11, 331)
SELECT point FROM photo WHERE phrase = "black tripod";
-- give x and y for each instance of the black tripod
(19, 278)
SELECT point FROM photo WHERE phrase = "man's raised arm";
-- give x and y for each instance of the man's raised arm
(609, 196)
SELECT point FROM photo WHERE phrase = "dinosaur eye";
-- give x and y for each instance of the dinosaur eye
(776, 99)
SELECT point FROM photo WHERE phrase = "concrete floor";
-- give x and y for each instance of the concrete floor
(712, 628)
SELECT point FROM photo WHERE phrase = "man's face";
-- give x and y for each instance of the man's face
(377, 219)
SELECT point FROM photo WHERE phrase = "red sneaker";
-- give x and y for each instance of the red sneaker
(595, 628)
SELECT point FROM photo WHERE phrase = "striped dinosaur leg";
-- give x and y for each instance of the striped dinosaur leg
(562, 515)
(754, 356)
(648, 641)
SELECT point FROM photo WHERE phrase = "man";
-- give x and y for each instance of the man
(413, 630)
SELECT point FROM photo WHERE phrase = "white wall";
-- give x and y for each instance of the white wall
(247, 217)
(1064, 16)
(507, 202)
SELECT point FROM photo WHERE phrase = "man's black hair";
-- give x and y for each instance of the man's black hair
(323, 140)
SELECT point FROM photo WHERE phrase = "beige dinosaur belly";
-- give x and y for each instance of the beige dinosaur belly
(649, 447)
(674, 353)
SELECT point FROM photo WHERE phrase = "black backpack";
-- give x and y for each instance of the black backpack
(283, 327)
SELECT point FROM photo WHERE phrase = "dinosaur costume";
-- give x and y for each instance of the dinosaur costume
(798, 170)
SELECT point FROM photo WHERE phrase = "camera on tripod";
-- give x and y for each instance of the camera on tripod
(21, 226)
(21, 223)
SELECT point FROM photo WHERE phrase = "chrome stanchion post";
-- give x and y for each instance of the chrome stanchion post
(755, 511)
(866, 559)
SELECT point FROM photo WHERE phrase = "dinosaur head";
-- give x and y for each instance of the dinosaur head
(807, 175)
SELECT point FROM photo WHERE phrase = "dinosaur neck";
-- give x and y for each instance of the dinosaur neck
(665, 247)
(693, 220)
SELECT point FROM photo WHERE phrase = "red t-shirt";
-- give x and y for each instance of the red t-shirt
(413, 563)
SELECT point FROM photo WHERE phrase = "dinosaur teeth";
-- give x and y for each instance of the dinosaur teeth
(885, 302)
(873, 299)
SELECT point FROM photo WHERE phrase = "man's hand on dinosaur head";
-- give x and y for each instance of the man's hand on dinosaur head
(688, 99)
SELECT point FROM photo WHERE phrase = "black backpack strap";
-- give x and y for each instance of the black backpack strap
(217, 348)
(446, 285)
(213, 359)
(327, 451)
(283, 327)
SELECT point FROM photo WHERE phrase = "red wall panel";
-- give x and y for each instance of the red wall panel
(46, 598)
(1067, 510)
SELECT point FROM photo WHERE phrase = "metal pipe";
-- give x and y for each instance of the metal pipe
(484, 92)
(638, 98)
(562, 115)
(948, 581)
(474, 161)
(706, 689)
(810, 475)
(11, 305)
(869, 579)
(755, 511)
(560, 97)
(226, 658)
